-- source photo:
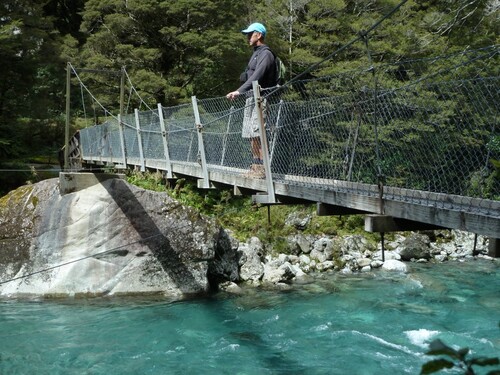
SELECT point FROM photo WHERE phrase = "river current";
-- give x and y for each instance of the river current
(370, 323)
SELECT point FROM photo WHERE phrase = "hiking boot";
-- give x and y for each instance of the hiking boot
(256, 171)
(259, 171)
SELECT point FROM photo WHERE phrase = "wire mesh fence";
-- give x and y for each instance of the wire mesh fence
(428, 125)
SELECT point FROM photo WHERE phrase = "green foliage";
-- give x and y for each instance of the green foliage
(166, 46)
(31, 76)
(455, 358)
(147, 180)
(245, 219)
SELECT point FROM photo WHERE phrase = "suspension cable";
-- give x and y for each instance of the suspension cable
(84, 106)
(91, 95)
(132, 88)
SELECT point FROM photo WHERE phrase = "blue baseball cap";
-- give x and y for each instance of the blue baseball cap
(260, 28)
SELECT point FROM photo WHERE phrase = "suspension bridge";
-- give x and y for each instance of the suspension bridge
(411, 145)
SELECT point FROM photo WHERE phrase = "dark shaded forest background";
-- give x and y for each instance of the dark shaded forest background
(175, 49)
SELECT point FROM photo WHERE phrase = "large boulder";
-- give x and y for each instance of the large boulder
(110, 238)
(416, 246)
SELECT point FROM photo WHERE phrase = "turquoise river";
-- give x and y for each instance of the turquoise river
(370, 323)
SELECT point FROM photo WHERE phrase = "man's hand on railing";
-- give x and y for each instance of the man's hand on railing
(233, 95)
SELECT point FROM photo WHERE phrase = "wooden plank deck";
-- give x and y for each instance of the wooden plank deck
(455, 212)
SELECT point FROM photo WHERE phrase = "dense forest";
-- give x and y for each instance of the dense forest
(174, 49)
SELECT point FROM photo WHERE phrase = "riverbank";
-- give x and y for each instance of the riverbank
(309, 256)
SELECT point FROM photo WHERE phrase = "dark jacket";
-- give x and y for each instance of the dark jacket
(261, 68)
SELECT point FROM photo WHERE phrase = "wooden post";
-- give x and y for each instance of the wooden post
(494, 247)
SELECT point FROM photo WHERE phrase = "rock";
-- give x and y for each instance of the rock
(304, 260)
(224, 266)
(416, 246)
(299, 244)
(283, 273)
(113, 237)
(298, 272)
(387, 255)
(230, 287)
(322, 250)
(346, 271)
(394, 265)
(326, 265)
(298, 221)
(363, 262)
(355, 245)
(465, 240)
(251, 268)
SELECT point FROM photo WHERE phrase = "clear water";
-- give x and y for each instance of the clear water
(375, 323)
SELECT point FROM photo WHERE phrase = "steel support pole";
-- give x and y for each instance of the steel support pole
(270, 197)
(164, 138)
(205, 183)
(139, 139)
(122, 141)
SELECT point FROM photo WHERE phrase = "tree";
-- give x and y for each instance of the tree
(172, 50)
(28, 89)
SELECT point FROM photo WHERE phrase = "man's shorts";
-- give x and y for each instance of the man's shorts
(250, 127)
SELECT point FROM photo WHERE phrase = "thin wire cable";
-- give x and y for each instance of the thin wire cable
(84, 106)
(31, 170)
(132, 87)
(92, 96)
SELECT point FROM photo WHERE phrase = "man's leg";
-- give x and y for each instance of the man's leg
(258, 163)
(256, 148)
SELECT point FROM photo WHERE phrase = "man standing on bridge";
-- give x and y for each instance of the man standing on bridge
(261, 68)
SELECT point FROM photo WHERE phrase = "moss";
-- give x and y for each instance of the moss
(34, 200)
(15, 197)
(246, 219)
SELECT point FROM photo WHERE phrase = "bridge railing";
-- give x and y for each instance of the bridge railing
(425, 125)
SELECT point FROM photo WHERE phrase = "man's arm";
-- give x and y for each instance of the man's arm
(264, 63)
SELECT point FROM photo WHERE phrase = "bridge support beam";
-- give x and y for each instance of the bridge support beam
(494, 247)
(323, 209)
(70, 182)
(383, 224)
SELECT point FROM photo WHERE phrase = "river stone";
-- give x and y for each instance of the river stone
(394, 265)
(251, 268)
(298, 220)
(416, 246)
(298, 244)
(283, 273)
(113, 238)
(225, 265)
(363, 262)
(323, 250)
(356, 245)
